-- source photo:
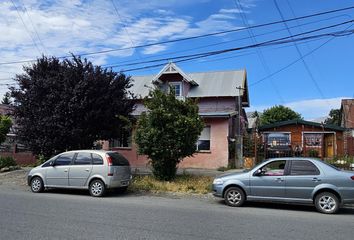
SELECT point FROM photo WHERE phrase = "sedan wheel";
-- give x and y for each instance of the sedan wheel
(97, 188)
(327, 203)
(37, 185)
(234, 197)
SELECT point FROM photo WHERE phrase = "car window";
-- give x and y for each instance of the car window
(47, 163)
(118, 160)
(275, 168)
(83, 158)
(97, 159)
(64, 159)
(303, 168)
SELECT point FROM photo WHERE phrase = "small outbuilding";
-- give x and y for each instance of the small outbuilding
(302, 138)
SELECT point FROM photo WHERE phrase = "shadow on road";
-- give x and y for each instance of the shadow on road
(346, 210)
(83, 192)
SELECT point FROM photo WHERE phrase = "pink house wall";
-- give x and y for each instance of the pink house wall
(218, 154)
(216, 157)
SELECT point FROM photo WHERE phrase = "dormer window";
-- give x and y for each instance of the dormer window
(177, 86)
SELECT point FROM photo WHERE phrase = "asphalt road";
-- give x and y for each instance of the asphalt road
(59, 214)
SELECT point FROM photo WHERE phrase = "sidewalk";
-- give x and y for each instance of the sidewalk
(191, 171)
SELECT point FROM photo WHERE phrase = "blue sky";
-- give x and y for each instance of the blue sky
(312, 87)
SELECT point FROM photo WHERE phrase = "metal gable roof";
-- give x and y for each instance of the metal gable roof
(210, 84)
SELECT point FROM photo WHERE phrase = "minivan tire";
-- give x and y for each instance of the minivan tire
(234, 197)
(327, 202)
(97, 188)
(37, 185)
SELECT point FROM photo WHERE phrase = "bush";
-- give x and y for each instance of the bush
(313, 153)
(7, 162)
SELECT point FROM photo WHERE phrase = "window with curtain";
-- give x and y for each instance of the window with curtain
(203, 143)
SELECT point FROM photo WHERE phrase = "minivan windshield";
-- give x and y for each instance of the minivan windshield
(118, 160)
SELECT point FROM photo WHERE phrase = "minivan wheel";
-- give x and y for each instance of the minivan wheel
(327, 202)
(37, 185)
(234, 197)
(97, 188)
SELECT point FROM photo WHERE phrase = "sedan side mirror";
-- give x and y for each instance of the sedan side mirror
(259, 172)
(52, 163)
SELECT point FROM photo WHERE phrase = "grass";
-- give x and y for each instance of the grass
(181, 184)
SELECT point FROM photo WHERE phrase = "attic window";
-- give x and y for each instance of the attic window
(177, 86)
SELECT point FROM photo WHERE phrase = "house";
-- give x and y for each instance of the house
(302, 138)
(221, 97)
(11, 147)
(347, 122)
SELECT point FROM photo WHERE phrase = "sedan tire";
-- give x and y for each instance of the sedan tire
(327, 202)
(37, 185)
(97, 188)
(234, 197)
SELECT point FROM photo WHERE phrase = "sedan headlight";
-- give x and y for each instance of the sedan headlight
(218, 181)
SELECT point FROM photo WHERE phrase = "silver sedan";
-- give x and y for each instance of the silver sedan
(289, 180)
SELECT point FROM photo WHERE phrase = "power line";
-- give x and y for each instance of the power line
(292, 63)
(334, 34)
(126, 62)
(300, 54)
(259, 51)
(28, 31)
(34, 28)
(266, 43)
(196, 37)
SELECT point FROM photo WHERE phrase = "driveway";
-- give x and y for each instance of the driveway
(75, 215)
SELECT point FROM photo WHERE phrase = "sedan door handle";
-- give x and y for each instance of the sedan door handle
(65, 170)
(87, 170)
(316, 180)
(279, 180)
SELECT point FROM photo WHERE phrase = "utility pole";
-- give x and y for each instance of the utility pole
(239, 144)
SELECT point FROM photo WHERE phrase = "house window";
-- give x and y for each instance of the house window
(178, 88)
(203, 143)
(123, 141)
(313, 139)
(278, 139)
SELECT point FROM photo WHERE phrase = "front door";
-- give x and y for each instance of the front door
(57, 175)
(329, 145)
(271, 183)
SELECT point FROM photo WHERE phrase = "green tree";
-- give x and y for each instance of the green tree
(5, 125)
(65, 105)
(168, 132)
(334, 117)
(278, 114)
(6, 99)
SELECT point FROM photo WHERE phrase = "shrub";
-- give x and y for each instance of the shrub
(313, 153)
(7, 162)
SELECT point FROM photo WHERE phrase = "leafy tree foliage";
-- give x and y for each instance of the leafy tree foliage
(334, 117)
(65, 105)
(168, 132)
(278, 114)
(5, 125)
(6, 99)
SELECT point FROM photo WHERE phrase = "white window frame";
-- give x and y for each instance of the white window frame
(205, 150)
(173, 84)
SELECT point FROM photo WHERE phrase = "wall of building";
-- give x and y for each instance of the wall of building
(216, 157)
(297, 135)
(217, 104)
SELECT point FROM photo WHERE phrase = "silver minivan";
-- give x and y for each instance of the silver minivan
(95, 170)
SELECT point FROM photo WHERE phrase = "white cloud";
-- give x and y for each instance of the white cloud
(80, 26)
(309, 109)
